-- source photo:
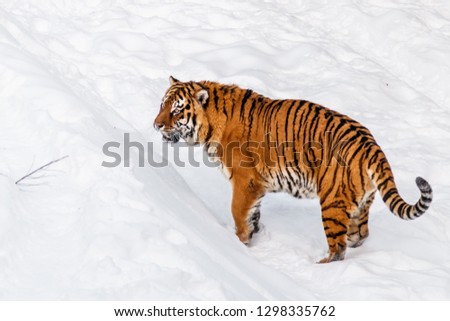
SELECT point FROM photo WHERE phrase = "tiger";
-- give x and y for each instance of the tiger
(287, 145)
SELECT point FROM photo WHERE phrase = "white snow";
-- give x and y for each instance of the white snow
(77, 74)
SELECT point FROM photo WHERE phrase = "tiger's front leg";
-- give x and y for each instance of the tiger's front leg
(247, 195)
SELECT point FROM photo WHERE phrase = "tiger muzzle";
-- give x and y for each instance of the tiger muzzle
(171, 137)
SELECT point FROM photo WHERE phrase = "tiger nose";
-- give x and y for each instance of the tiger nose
(158, 125)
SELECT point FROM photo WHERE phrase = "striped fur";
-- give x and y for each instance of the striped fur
(289, 145)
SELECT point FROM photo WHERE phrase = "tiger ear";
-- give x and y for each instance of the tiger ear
(202, 96)
(173, 80)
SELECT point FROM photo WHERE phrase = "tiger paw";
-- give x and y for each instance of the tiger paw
(332, 257)
(244, 237)
(324, 260)
(212, 152)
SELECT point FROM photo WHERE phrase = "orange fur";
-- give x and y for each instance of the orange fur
(288, 145)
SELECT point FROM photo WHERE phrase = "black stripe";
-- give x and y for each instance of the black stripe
(224, 109)
(336, 204)
(379, 168)
(268, 119)
(286, 124)
(350, 129)
(419, 212)
(262, 107)
(325, 195)
(342, 122)
(248, 92)
(288, 181)
(316, 122)
(381, 185)
(366, 220)
(307, 133)
(329, 116)
(293, 136)
(422, 204)
(278, 179)
(265, 110)
(361, 176)
(286, 131)
(225, 91)
(335, 221)
(370, 146)
(401, 208)
(334, 235)
(374, 156)
(194, 120)
(188, 118)
(208, 134)
(250, 118)
(408, 212)
(389, 193)
(395, 202)
(303, 118)
(273, 110)
(421, 208)
(216, 99)
(361, 145)
(307, 130)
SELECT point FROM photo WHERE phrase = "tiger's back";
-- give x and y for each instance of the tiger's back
(293, 146)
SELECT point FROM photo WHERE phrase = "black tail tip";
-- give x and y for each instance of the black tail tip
(423, 185)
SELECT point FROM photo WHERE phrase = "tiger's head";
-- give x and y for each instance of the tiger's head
(182, 113)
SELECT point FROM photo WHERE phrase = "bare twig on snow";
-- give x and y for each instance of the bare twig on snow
(40, 168)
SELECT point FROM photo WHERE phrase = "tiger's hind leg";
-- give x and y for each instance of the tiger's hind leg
(353, 230)
(359, 225)
(336, 215)
(353, 237)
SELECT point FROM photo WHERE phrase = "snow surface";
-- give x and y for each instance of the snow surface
(77, 74)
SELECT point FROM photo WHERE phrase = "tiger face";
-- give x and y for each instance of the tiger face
(182, 113)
